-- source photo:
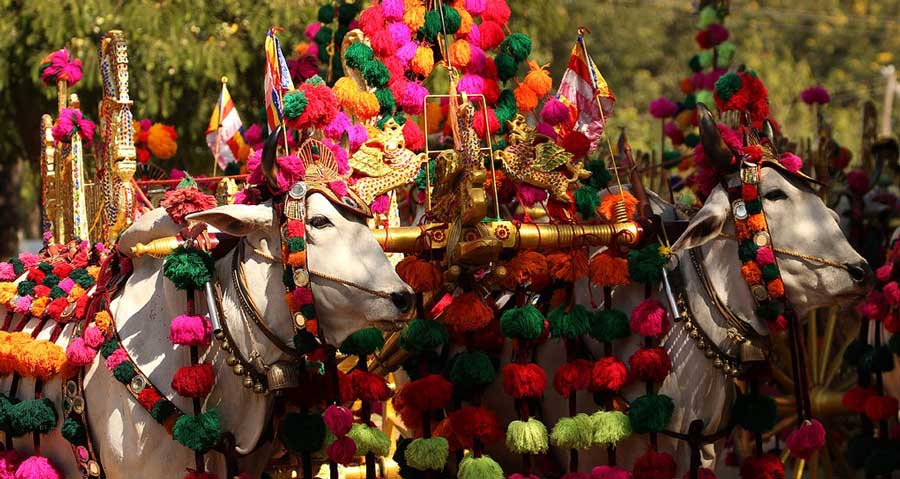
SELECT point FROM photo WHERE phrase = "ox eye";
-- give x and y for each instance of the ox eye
(320, 222)
(776, 195)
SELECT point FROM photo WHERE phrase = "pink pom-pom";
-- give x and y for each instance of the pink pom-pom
(792, 162)
(608, 472)
(36, 467)
(93, 338)
(544, 128)
(312, 30)
(392, 9)
(891, 293)
(254, 134)
(380, 204)
(79, 354)
(9, 461)
(338, 419)
(23, 304)
(338, 187)
(340, 156)
(412, 135)
(471, 84)
(290, 169)
(176, 174)
(475, 7)
(342, 451)
(7, 272)
(71, 121)
(118, 357)
(649, 318)
(858, 181)
(807, 439)
(555, 112)
(815, 96)
(477, 59)
(66, 284)
(662, 107)
(29, 260)
(336, 127)
(474, 36)
(190, 330)
(358, 135)
(400, 32)
(406, 53)
(765, 256)
(530, 194)
(413, 100)
(884, 272)
(60, 66)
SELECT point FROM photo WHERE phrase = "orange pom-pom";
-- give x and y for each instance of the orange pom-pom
(568, 265)
(608, 270)
(420, 275)
(527, 267)
(526, 98)
(161, 141)
(39, 305)
(104, 322)
(776, 288)
(757, 222)
(414, 16)
(607, 208)
(423, 62)
(742, 230)
(435, 117)
(297, 258)
(467, 312)
(460, 53)
(465, 22)
(365, 105)
(686, 86)
(751, 273)
(42, 359)
(538, 79)
(345, 90)
(7, 293)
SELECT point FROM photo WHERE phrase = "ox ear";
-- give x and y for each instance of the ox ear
(707, 224)
(235, 220)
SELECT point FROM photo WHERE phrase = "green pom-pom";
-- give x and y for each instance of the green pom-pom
(108, 347)
(881, 461)
(569, 324)
(358, 54)
(452, 20)
(769, 272)
(471, 368)
(753, 206)
(692, 140)
(650, 413)
(708, 15)
(386, 100)
(82, 277)
(399, 117)
(5, 409)
(305, 342)
(233, 168)
(406, 472)
(32, 415)
(124, 372)
(424, 454)
(724, 54)
(573, 432)
(479, 468)
(46, 267)
(199, 433)
(347, 12)
(610, 427)
(671, 157)
(768, 310)
(288, 278)
(694, 64)
(522, 323)
(755, 412)
(323, 37)
(73, 431)
(296, 245)
(610, 325)
(706, 58)
(186, 182)
(690, 103)
(586, 200)
(50, 280)
(188, 268)
(315, 80)
(302, 432)
(645, 264)
(423, 334)
(25, 288)
(162, 410)
(369, 439)
(506, 66)
(527, 437)
(504, 115)
(507, 100)
(705, 97)
(308, 311)
(363, 342)
(323, 55)
(517, 45)
(747, 251)
(58, 292)
(894, 344)
(295, 103)
(856, 351)
(420, 176)
(600, 175)
(432, 26)
(326, 13)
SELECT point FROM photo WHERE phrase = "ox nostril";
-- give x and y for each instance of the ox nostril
(404, 301)
(859, 272)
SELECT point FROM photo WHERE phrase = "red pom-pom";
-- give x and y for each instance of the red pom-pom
(767, 466)
(81, 306)
(855, 398)
(56, 307)
(491, 35)
(881, 408)
(806, 439)
(577, 144)
(650, 364)
(649, 318)
(496, 11)
(471, 422)
(430, 393)
(702, 473)
(524, 380)
(703, 39)
(181, 202)
(40, 291)
(749, 192)
(467, 312)
(572, 376)
(412, 135)
(654, 465)
(192, 474)
(36, 275)
(608, 374)
(195, 381)
(369, 387)
(148, 397)
(62, 270)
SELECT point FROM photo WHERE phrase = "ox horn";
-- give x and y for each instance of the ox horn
(718, 154)
(769, 132)
(267, 161)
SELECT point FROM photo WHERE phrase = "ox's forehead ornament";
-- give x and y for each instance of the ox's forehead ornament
(298, 191)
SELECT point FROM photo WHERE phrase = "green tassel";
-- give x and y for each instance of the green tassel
(706, 58)
(5, 409)
(186, 182)
(32, 415)
(302, 432)
(358, 54)
(506, 66)
(708, 15)
(725, 53)
(50, 280)
(423, 334)
(375, 74)
(326, 13)
(58, 292)
(573, 432)
(650, 413)
(727, 85)
(363, 342)
(471, 368)
(479, 468)
(386, 101)
(430, 453)
(671, 157)
(162, 410)
(522, 323)
(600, 176)
(527, 437)
(894, 344)
(586, 200)
(295, 103)
(369, 439)
(305, 342)
(73, 431)
(517, 45)
(188, 268)
(323, 37)
(507, 100)
(108, 347)
(768, 310)
(124, 372)
(769, 272)
(645, 264)
(610, 427)
(747, 250)
(755, 412)
(569, 324)
(705, 97)
(610, 325)
(347, 12)
(18, 267)
(199, 433)
(692, 140)
(25, 288)
(46, 267)
(420, 176)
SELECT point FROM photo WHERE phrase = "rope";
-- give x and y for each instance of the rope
(811, 258)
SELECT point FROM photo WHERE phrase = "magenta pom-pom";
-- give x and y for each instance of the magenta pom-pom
(544, 128)
(9, 462)
(406, 52)
(471, 83)
(474, 36)
(66, 284)
(338, 419)
(7, 272)
(190, 330)
(342, 451)
(392, 9)
(118, 357)
(60, 66)
(335, 128)
(475, 7)
(79, 354)
(338, 187)
(792, 162)
(477, 59)
(649, 318)
(891, 293)
(413, 100)
(93, 338)
(36, 467)
(29, 260)
(516, 475)
(807, 439)
(23, 304)
(530, 194)
(290, 170)
(400, 33)
(71, 121)
(302, 296)
(311, 30)
(555, 112)
(765, 256)
(358, 135)
(340, 156)
(662, 107)
(610, 472)
(380, 204)
(576, 475)
(717, 33)
(815, 96)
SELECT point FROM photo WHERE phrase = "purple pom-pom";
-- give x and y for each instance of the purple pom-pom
(546, 129)
(815, 96)
(662, 107)
(392, 9)
(555, 112)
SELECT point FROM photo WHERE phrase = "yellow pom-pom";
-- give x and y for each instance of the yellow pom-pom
(414, 16)
(41, 359)
(465, 24)
(345, 90)
(365, 105)
(104, 322)
(460, 53)
(76, 292)
(423, 62)
(39, 305)
(161, 141)
(7, 292)
(538, 79)
(93, 271)
(435, 117)
(526, 98)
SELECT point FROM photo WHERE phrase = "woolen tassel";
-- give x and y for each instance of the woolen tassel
(610, 427)
(610, 325)
(650, 413)
(342, 450)
(368, 386)
(423, 62)
(472, 422)
(767, 466)
(569, 322)
(429, 393)
(573, 432)
(650, 364)
(192, 474)
(755, 412)
(188, 268)
(608, 374)
(538, 79)
(36, 467)
(479, 468)
(363, 342)
(649, 318)
(369, 440)
(881, 408)
(524, 380)
(572, 376)
(855, 398)
(79, 354)
(199, 433)
(527, 267)
(654, 465)
(525, 323)
(190, 330)
(610, 472)
(422, 335)
(471, 368)
(301, 432)
(467, 312)
(702, 473)
(526, 98)
(516, 475)
(194, 381)
(527, 437)
(31, 416)
(9, 462)
(338, 419)
(427, 453)
(806, 439)
(460, 53)
(570, 265)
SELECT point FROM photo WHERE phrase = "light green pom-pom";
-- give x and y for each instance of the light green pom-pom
(725, 54)
(705, 57)
(369, 439)
(705, 97)
(573, 432)
(527, 437)
(424, 454)
(610, 427)
(707, 16)
(479, 468)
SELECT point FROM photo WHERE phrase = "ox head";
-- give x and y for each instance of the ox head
(799, 222)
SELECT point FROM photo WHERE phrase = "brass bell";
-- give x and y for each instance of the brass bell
(248, 382)
(718, 363)
(689, 326)
(231, 360)
(238, 369)
(701, 345)
(694, 334)
(710, 353)
(220, 335)
(258, 388)
(226, 346)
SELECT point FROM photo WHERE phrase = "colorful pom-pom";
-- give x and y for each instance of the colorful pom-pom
(527, 437)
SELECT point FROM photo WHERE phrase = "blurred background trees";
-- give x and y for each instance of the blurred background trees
(179, 49)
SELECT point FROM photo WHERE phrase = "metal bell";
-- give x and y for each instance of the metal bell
(710, 353)
(238, 369)
(248, 382)
(231, 360)
(258, 388)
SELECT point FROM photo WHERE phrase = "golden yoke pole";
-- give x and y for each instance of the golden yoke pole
(52, 221)
(74, 181)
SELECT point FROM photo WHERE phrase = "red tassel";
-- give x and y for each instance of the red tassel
(195, 381)
(650, 364)
(148, 397)
(431, 393)
(524, 380)
(572, 376)
(654, 465)
(855, 398)
(806, 439)
(608, 374)
(767, 466)
(467, 312)
(369, 387)
(881, 408)
(471, 422)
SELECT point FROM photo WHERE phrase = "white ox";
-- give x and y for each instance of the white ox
(130, 442)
